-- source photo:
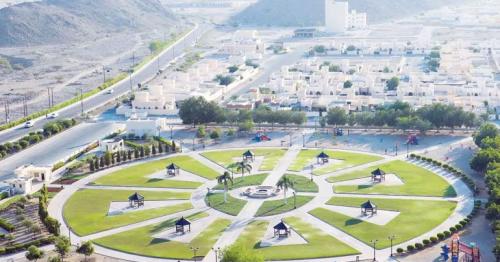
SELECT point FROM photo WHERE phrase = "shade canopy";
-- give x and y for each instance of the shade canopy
(323, 155)
(281, 226)
(368, 205)
(173, 167)
(182, 222)
(378, 172)
(248, 153)
(136, 197)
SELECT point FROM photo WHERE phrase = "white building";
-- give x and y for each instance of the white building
(111, 145)
(20, 186)
(336, 16)
(38, 173)
(338, 19)
(152, 101)
(141, 127)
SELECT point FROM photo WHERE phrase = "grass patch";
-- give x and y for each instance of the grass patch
(416, 218)
(232, 207)
(249, 180)
(302, 183)
(226, 157)
(140, 241)
(86, 211)
(319, 244)
(137, 175)
(349, 159)
(418, 181)
(274, 207)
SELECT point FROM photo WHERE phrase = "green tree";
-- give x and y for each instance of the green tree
(481, 161)
(86, 249)
(62, 245)
(486, 131)
(197, 110)
(107, 158)
(201, 132)
(393, 83)
(336, 116)
(34, 253)
(215, 134)
(238, 252)
(241, 166)
(284, 183)
(347, 84)
(225, 179)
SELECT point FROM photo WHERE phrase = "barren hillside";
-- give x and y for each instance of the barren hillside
(311, 12)
(64, 21)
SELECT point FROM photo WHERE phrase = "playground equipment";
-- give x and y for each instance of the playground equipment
(338, 131)
(259, 137)
(470, 252)
(412, 140)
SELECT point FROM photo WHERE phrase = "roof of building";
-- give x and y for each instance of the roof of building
(323, 155)
(368, 205)
(378, 172)
(182, 222)
(281, 226)
(135, 197)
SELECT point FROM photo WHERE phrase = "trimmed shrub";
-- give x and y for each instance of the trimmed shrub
(447, 233)
(463, 222)
(453, 229)
(433, 239)
(440, 236)
(426, 242)
(419, 246)
(400, 250)
(410, 248)
(458, 227)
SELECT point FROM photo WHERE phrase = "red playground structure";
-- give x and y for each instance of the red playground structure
(470, 252)
(259, 137)
(412, 140)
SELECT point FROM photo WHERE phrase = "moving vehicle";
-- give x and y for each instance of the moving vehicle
(52, 115)
(29, 124)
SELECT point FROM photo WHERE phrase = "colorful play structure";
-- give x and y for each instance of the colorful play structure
(412, 140)
(259, 137)
(338, 131)
(470, 253)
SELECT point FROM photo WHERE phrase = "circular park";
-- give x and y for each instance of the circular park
(294, 203)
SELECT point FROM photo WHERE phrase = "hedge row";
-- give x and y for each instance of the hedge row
(21, 247)
(456, 172)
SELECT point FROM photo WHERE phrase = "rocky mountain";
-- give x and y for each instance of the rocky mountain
(311, 12)
(61, 21)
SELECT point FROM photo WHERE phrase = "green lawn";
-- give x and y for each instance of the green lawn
(140, 241)
(302, 183)
(137, 175)
(416, 218)
(274, 207)
(226, 157)
(307, 156)
(319, 244)
(418, 181)
(247, 180)
(86, 211)
(232, 207)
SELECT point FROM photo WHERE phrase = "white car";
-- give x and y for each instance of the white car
(29, 124)
(52, 115)
(110, 91)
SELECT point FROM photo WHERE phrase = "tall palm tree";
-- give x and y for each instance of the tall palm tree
(284, 183)
(224, 179)
(241, 166)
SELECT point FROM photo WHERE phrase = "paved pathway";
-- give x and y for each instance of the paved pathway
(464, 197)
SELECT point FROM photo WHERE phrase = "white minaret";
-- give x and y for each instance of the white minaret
(336, 16)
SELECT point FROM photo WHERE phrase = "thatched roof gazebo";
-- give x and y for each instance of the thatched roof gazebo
(181, 224)
(173, 170)
(136, 200)
(378, 175)
(248, 156)
(281, 230)
(368, 207)
(323, 158)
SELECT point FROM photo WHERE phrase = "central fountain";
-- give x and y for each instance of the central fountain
(261, 192)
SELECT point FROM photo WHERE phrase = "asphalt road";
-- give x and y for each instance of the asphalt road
(57, 148)
(143, 75)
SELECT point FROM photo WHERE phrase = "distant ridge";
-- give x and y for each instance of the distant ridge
(61, 21)
(297, 13)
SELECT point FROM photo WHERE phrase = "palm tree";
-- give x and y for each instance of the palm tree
(224, 179)
(241, 166)
(284, 183)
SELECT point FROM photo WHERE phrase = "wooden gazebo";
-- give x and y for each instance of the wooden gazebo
(173, 170)
(282, 230)
(368, 207)
(378, 175)
(136, 200)
(322, 158)
(181, 224)
(248, 156)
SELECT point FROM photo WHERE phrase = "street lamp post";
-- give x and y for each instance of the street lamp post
(217, 253)
(81, 99)
(391, 238)
(374, 242)
(294, 201)
(407, 149)
(303, 140)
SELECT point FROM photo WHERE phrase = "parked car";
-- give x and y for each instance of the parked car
(110, 91)
(29, 124)
(52, 115)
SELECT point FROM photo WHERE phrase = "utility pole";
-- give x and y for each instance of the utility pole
(25, 106)
(391, 238)
(104, 74)
(81, 99)
(133, 61)
(7, 111)
(374, 242)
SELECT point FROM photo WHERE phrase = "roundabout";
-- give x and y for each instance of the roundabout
(285, 203)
